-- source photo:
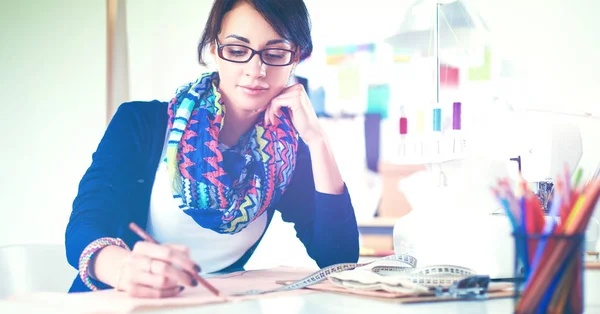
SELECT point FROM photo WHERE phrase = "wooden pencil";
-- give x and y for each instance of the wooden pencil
(146, 237)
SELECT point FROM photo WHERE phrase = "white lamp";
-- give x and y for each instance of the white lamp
(429, 25)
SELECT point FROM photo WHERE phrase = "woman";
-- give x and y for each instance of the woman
(207, 170)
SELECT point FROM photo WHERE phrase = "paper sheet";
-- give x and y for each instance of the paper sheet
(113, 302)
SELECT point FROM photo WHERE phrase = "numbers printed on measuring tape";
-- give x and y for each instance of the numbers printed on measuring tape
(401, 266)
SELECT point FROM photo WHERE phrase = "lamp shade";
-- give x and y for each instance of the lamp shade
(460, 26)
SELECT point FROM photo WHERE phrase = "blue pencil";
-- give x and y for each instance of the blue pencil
(511, 217)
(547, 298)
(548, 230)
(524, 246)
(506, 205)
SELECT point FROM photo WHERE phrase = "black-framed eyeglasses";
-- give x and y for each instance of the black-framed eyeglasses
(241, 54)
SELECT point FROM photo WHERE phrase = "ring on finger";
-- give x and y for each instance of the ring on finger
(150, 265)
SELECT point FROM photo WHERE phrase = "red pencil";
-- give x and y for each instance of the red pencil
(146, 237)
(541, 277)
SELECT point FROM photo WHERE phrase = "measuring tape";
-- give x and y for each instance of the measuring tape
(402, 267)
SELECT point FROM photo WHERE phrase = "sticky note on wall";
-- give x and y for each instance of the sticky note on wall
(401, 55)
(378, 98)
(317, 98)
(348, 81)
(483, 72)
(449, 76)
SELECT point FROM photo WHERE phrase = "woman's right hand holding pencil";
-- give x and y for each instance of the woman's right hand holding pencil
(150, 270)
(155, 271)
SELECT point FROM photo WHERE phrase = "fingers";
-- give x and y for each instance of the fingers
(274, 109)
(293, 97)
(151, 278)
(293, 87)
(147, 292)
(186, 251)
(162, 266)
(167, 253)
(181, 248)
(290, 97)
(267, 116)
(158, 271)
(158, 274)
(157, 281)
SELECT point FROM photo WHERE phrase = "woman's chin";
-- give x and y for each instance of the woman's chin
(253, 104)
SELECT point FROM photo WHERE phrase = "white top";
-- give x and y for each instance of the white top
(213, 251)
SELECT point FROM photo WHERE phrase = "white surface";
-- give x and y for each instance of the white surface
(482, 243)
(29, 268)
(546, 145)
(552, 48)
(327, 303)
(467, 190)
(52, 91)
(163, 39)
(280, 247)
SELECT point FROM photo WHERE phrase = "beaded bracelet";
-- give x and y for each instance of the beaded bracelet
(89, 251)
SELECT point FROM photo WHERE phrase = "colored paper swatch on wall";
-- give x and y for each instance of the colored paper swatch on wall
(378, 98)
(483, 72)
(317, 99)
(340, 54)
(401, 55)
(449, 76)
(348, 81)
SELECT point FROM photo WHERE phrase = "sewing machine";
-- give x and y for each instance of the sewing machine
(462, 223)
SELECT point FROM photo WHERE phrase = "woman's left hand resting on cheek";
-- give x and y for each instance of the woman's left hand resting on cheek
(303, 115)
(326, 174)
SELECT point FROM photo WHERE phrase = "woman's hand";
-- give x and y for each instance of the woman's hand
(156, 271)
(326, 174)
(301, 111)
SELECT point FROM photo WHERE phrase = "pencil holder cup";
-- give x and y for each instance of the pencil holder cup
(548, 272)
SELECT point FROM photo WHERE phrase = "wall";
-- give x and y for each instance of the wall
(163, 38)
(53, 79)
(553, 46)
(52, 91)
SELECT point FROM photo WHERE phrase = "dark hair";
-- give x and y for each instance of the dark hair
(289, 18)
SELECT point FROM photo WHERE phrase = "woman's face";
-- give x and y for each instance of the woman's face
(249, 86)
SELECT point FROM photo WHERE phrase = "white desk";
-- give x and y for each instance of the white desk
(320, 303)
(329, 303)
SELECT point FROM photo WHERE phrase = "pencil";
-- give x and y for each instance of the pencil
(506, 206)
(563, 290)
(577, 295)
(540, 277)
(146, 237)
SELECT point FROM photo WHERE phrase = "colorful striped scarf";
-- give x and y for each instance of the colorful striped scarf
(224, 191)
